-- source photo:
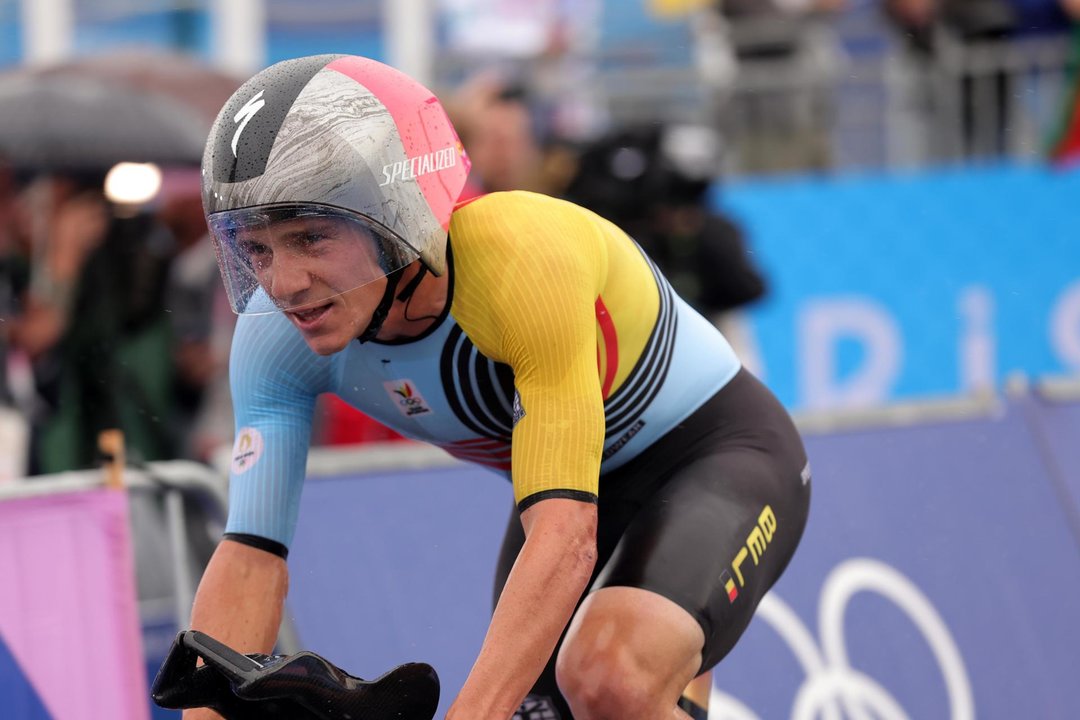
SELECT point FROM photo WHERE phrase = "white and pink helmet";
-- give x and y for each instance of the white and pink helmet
(331, 136)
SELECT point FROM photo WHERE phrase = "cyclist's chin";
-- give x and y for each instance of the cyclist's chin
(326, 344)
(325, 329)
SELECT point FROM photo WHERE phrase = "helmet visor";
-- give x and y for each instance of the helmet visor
(289, 257)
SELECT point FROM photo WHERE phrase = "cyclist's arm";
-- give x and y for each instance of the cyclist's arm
(274, 384)
(240, 602)
(538, 298)
(541, 592)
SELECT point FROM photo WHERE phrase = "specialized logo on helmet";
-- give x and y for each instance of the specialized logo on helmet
(419, 166)
(243, 117)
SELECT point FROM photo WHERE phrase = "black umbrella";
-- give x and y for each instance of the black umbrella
(60, 122)
(181, 76)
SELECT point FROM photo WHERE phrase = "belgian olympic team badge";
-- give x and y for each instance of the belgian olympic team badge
(406, 398)
(247, 450)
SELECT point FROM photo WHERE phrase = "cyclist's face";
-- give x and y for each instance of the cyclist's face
(311, 266)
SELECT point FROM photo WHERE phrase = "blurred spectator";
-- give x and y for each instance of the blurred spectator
(9, 270)
(14, 273)
(973, 20)
(200, 321)
(1065, 143)
(653, 182)
(63, 220)
(764, 28)
(495, 125)
(775, 126)
(54, 224)
(960, 78)
(552, 42)
(93, 326)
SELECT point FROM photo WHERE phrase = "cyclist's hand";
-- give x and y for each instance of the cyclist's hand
(200, 714)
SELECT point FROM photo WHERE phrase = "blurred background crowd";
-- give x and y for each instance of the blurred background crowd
(111, 309)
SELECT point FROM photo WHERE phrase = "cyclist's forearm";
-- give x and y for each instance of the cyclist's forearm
(241, 597)
(541, 592)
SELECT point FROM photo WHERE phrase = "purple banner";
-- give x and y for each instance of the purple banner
(68, 610)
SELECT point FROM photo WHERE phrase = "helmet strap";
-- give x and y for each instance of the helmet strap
(408, 290)
(379, 316)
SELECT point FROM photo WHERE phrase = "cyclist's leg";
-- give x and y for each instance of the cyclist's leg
(629, 654)
(699, 555)
(695, 698)
(545, 701)
(677, 520)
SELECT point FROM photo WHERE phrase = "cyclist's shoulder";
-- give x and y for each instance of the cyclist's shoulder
(520, 227)
(516, 210)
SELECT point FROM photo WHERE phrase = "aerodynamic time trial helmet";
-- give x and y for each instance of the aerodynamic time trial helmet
(356, 160)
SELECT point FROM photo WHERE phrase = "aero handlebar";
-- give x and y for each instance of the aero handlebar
(303, 686)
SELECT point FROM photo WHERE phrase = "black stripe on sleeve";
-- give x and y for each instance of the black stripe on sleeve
(580, 495)
(260, 543)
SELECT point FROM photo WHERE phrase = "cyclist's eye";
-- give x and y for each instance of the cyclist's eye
(258, 253)
(255, 248)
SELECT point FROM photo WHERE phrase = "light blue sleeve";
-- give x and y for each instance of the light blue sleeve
(275, 379)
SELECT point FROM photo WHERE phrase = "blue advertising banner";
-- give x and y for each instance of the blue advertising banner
(903, 286)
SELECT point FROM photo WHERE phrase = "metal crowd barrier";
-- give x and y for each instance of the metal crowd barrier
(823, 107)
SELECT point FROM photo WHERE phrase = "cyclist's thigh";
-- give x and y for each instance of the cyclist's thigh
(715, 538)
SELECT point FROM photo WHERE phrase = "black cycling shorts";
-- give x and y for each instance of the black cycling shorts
(708, 517)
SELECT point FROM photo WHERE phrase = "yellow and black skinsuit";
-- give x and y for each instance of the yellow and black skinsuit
(565, 361)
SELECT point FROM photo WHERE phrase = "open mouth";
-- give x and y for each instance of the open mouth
(308, 318)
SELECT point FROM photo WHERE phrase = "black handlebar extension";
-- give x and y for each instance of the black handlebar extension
(304, 686)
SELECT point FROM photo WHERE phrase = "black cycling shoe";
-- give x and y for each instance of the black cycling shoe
(303, 686)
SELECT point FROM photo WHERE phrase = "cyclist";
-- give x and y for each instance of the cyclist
(660, 488)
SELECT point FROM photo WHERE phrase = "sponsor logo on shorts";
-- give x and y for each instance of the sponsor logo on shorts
(418, 166)
(407, 398)
(537, 707)
(729, 586)
(757, 542)
(247, 450)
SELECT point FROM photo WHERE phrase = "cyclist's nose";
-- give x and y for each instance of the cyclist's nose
(290, 280)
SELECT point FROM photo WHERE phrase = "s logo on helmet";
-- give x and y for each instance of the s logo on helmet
(243, 117)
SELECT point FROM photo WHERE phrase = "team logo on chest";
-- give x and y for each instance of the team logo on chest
(406, 397)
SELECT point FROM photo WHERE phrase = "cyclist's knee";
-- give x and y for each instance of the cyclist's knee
(602, 682)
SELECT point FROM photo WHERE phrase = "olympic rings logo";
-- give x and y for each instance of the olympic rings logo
(831, 684)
